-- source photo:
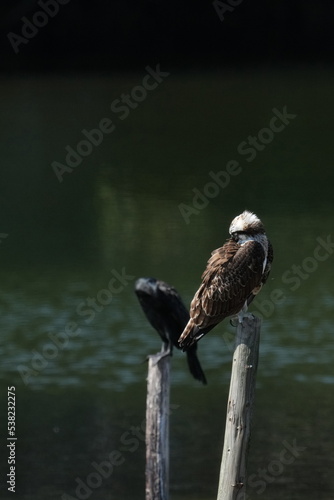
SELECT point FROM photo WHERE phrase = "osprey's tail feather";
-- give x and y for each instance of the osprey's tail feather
(192, 334)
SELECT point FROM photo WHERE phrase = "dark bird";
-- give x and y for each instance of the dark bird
(166, 312)
(234, 275)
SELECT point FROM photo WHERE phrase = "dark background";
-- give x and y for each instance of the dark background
(119, 209)
(108, 35)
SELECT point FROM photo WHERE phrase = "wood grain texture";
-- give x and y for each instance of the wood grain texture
(157, 428)
(233, 476)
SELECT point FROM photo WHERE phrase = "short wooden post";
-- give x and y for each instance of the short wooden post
(157, 428)
(232, 480)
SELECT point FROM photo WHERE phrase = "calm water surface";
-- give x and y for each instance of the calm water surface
(76, 354)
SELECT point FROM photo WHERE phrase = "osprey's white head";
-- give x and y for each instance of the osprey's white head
(248, 223)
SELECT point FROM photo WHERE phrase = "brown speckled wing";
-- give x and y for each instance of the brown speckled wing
(232, 272)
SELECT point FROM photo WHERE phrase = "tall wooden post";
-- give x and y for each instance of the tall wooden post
(233, 477)
(157, 428)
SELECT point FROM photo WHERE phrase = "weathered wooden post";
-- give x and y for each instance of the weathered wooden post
(157, 427)
(232, 480)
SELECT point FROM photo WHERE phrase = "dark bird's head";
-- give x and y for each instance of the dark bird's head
(146, 287)
(147, 291)
(246, 223)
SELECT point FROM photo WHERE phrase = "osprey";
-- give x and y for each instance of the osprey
(234, 275)
(166, 312)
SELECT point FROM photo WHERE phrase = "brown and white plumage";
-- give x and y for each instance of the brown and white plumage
(235, 273)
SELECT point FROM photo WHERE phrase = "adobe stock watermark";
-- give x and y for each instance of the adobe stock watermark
(121, 107)
(30, 27)
(250, 148)
(58, 341)
(222, 7)
(293, 278)
(264, 476)
(129, 442)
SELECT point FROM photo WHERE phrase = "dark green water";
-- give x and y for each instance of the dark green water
(76, 353)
